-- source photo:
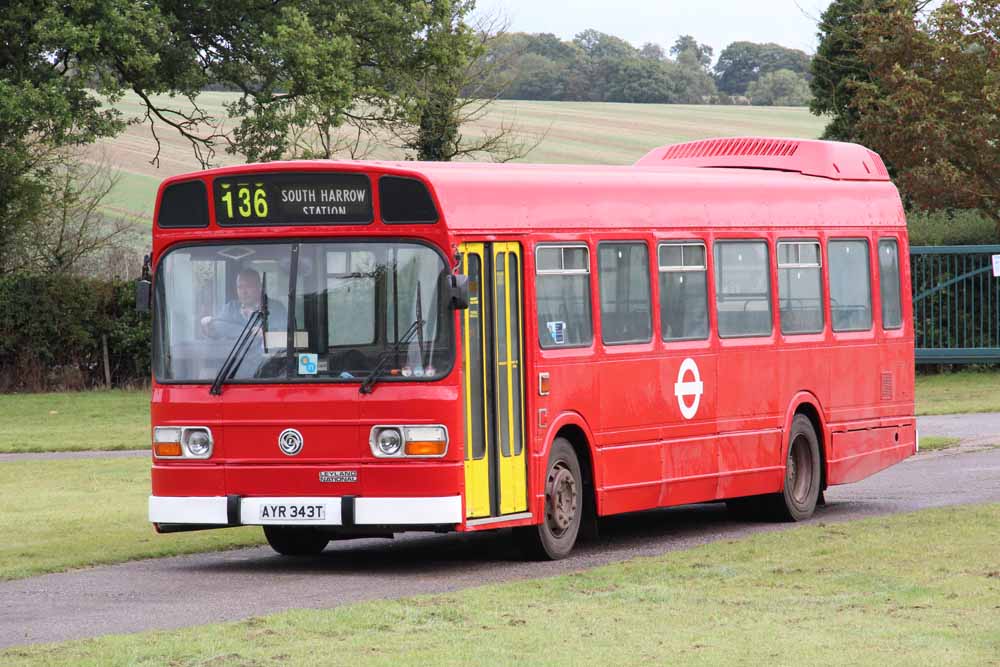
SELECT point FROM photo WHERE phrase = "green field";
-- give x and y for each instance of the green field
(963, 391)
(59, 515)
(933, 443)
(71, 421)
(570, 132)
(864, 593)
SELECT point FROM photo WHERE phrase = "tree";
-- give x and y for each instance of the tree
(783, 88)
(298, 65)
(931, 105)
(687, 48)
(742, 63)
(651, 51)
(73, 227)
(838, 67)
(454, 92)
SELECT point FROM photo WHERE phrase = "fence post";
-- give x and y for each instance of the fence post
(107, 362)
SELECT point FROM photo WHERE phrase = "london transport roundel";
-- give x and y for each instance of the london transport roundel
(688, 386)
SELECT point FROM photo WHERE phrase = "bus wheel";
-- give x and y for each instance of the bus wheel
(797, 500)
(555, 536)
(296, 541)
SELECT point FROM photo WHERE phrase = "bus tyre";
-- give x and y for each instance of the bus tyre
(296, 541)
(798, 498)
(555, 536)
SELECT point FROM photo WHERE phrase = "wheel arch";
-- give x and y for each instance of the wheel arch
(806, 403)
(573, 427)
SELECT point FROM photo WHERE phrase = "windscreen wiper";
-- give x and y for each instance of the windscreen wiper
(416, 328)
(237, 353)
(388, 353)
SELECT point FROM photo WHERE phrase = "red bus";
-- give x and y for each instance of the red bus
(354, 349)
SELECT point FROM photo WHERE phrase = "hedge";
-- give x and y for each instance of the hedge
(52, 330)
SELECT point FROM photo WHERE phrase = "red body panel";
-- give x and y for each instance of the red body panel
(622, 399)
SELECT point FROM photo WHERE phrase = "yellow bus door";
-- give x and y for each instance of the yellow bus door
(493, 350)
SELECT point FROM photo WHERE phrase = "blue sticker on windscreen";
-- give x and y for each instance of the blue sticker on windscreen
(557, 330)
(308, 362)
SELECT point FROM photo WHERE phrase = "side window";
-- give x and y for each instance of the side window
(562, 290)
(888, 280)
(623, 275)
(742, 288)
(850, 285)
(800, 290)
(683, 291)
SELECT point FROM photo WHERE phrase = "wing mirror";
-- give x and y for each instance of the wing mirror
(459, 291)
(144, 288)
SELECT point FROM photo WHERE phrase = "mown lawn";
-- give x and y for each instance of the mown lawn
(963, 391)
(917, 589)
(932, 443)
(67, 421)
(63, 514)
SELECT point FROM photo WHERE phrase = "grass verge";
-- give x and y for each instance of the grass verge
(58, 515)
(961, 392)
(72, 421)
(869, 592)
(931, 443)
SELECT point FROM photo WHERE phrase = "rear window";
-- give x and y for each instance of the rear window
(850, 285)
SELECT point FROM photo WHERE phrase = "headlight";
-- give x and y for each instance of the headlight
(178, 442)
(389, 442)
(404, 441)
(198, 442)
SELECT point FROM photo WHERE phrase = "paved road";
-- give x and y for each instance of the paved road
(88, 454)
(175, 592)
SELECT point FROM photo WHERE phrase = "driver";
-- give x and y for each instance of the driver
(230, 320)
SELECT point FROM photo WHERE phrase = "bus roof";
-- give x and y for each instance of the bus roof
(725, 183)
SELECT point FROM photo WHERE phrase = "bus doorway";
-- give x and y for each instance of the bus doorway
(492, 354)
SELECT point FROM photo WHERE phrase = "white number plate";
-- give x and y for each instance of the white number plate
(292, 512)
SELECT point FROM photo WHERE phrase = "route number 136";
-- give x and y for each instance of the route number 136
(248, 201)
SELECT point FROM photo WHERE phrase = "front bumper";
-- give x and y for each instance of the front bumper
(345, 511)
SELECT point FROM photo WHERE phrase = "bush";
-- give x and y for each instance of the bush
(51, 330)
(951, 228)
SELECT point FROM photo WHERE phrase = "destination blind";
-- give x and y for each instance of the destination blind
(293, 199)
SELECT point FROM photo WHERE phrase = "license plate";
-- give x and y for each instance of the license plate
(292, 512)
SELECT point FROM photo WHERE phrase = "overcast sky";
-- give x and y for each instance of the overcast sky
(791, 23)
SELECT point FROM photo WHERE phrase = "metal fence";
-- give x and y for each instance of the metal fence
(956, 304)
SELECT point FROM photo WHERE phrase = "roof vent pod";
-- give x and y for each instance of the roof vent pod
(828, 159)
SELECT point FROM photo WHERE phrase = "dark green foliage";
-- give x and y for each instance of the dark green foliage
(838, 67)
(742, 63)
(300, 65)
(51, 329)
(783, 88)
(951, 228)
(931, 106)
(597, 67)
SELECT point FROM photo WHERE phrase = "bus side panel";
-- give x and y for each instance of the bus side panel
(750, 464)
(629, 448)
(749, 445)
(632, 477)
(572, 390)
(691, 464)
(855, 455)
